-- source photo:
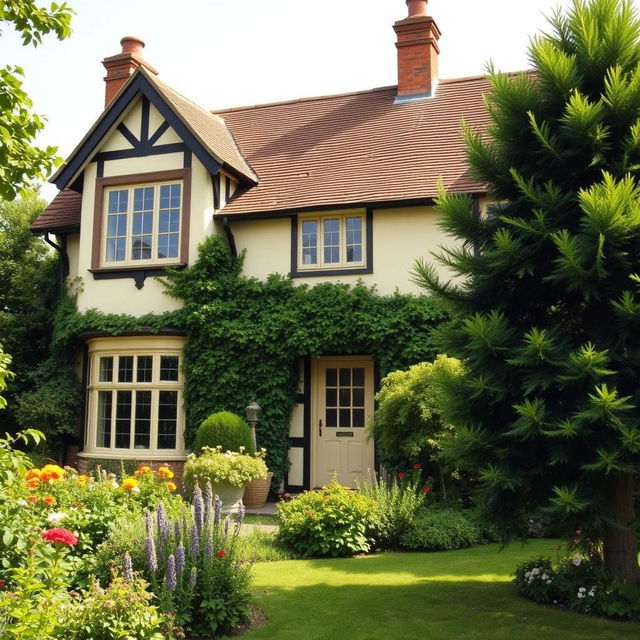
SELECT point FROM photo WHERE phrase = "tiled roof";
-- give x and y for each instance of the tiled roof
(356, 148)
(63, 213)
(209, 128)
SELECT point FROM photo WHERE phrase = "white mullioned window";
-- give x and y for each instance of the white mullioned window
(135, 396)
(332, 241)
(142, 224)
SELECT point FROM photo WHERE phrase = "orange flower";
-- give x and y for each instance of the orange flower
(129, 484)
(51, 473)
(33, 483)
(50, 500)
(33, 473)
(140, 470)
(171, 486)
(308, 512)
(165, 472)
(33, 499)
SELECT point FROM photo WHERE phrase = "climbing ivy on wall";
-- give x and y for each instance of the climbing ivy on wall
(245, 337)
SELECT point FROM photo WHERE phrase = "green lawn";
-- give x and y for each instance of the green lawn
(427, 596)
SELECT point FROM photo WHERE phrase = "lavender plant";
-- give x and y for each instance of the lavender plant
(194, 567)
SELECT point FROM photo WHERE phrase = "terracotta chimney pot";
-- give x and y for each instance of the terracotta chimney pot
(122, 65)
(417, 7)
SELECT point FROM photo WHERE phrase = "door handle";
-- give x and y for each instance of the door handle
(320, 428)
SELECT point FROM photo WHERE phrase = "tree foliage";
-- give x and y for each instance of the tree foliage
(407, 425)
(548, 310)
(20, 161)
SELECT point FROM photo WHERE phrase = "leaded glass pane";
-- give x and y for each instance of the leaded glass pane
(332, 420)
(345, 397)
(332, 377)
(142, 439)
(345, 417)
(123, 420)
(169, 368)
(105, 402)
(167, 419)
(144, 369)
(358, 418)
(125, 369)
(358, 376)
(332, 397)
(358, 397)
(331, 229)
(310, 242)
(345, 377)
(105, 373)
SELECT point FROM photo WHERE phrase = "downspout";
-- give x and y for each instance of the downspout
(61, 248)
(230, 239)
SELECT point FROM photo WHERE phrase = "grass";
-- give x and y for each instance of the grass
(405, 596)
(251, 518)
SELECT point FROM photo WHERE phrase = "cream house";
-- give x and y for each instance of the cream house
(336, 188)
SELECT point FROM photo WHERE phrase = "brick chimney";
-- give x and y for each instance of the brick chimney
(418, 51)
(122, 65)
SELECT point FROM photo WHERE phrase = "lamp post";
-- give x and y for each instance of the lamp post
(252, 412)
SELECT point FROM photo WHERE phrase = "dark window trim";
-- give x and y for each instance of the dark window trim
(305, 441)
(129, 180)
(139, 274)
(346, 271)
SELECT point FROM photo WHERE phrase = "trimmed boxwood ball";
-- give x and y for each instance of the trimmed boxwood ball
(224, 429)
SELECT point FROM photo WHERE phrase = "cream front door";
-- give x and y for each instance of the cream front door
(343, 407)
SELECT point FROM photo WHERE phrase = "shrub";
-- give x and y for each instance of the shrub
(396, 505)
(441, 530)
(226, 430)
(121, 610)
(215, 466)
(332, 521)
(579, 583)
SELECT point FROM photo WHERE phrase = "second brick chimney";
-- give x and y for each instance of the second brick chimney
(122, 65)
(418, 52)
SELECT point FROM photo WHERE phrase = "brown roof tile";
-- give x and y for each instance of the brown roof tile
(62, 214)
(356, 148)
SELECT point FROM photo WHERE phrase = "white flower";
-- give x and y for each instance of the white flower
(577, 560)
(544, 576)
(57, 517)
(535, 571)
(114, 484)
(135, 490)
(22, 502)
(582, 589)
(581, 595)
(527, 574)
(591, 593)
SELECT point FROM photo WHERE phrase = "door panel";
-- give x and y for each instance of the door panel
(343, 406)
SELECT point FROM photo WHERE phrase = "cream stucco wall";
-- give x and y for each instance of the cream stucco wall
(121, 295)
(400, 236)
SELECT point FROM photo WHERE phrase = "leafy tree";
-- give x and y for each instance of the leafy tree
(548, 305)
(407, 425)
(27, 295)
(20, 161)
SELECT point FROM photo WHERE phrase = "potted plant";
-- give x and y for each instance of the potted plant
(257, 491)
(228, 471)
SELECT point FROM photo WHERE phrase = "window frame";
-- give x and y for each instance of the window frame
(139, 346)
(99, 263)
(298, 269)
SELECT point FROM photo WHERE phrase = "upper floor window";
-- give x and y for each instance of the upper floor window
(143, 223)
(141, 220)
(332, 242)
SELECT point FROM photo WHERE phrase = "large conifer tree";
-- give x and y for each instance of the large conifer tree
(548, 302)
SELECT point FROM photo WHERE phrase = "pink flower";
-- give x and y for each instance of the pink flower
(64, 536)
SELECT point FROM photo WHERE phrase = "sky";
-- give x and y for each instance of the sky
(224, 53)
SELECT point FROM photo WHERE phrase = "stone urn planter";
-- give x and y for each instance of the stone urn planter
(229, 494)
(256, 492)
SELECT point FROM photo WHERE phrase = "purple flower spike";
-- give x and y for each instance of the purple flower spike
(208, 501)
(217, 511)
(171, 573)
(176, 530)
(149, 523)
(180, 560)
(193, 576)
(210, 546)
(198, 508)
(128, 568)
(163, 523)
(152, 561)
(195, 541)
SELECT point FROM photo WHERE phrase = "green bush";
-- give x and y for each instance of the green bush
(216, 467)
(397, 503)
(224, 429)
(121, 610)
(332, 521)
(578, 583)
(441, 530)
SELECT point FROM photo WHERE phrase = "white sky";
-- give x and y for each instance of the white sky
(223, 53)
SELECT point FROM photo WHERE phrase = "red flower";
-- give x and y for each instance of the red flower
(1, 584)
(426, 489)
(401, 475)
(417, 465)
(61, 535)
(221, 554)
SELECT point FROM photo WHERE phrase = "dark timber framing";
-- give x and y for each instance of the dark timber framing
(296, 272)
(304, 442)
